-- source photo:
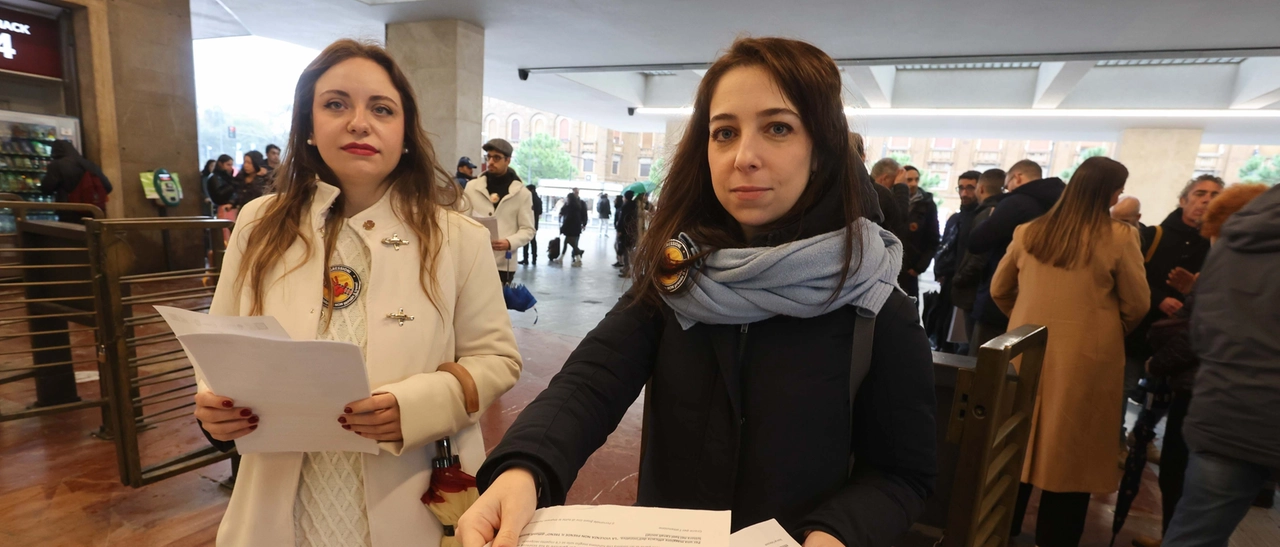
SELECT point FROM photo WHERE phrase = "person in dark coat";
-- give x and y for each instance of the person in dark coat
(1174, 359)
(1231, 424)
(466, 171)
(921, 236)
(219, 185)
(604, 209)
(891, 196)
(955, 239)
(628, 229)
(969, 273)
(1029, 197)
(65, 173)
(532, 247)
(572, 218)
(1180, 245)
(746, 410)
(252, 182)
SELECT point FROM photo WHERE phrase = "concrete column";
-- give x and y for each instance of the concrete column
(444, 60)
(1160, 162)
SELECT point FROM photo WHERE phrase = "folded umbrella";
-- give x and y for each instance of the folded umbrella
(452, 491)
(1156, 404)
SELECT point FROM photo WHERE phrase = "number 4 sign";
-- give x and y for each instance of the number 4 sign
(6, 46)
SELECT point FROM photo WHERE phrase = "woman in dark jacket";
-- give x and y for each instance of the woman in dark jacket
(572, 216)
(750, 284)
(253, 181)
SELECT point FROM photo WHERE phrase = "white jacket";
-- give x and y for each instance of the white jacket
(514, 213)
(470, 327)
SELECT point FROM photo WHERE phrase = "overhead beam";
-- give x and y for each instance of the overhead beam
(1257, 83)
(1270, 51)
(630, 88)
(874, 84)
(1057, 79)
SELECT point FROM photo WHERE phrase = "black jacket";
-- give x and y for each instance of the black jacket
(219, 187)
(955, 239)
(1233, 330)
(537, 203)
(968, 274)
(893, 217)
(572, 216)
(921, 241)
(628, 229)
(1180, 245)
(66, 170)
(1022, 205)
(749, 418)
(603, 207)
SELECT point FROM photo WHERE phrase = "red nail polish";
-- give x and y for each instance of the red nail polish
(342, 420)
(347, 410)
(253, 427)
(246, 412)
(346, 426)
(253, 420)
(227, 404)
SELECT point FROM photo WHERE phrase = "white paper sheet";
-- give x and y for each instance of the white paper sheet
(617, 526)
(766, 534)
(297, 388)
(492, 224)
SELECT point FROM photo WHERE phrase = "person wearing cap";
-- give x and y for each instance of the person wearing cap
(466, 171)
(500, 193)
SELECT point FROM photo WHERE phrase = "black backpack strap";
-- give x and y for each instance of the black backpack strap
(864, 329)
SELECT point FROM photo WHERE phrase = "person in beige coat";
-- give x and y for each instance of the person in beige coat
(360, 245)
(1079, 273)
(499, 193)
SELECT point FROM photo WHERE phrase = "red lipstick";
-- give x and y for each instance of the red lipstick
(360, 149)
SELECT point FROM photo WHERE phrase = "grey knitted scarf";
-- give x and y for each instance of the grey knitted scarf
(738, 286)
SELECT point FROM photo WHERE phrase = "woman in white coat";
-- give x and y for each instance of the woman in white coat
(359, 245)
(499, 193)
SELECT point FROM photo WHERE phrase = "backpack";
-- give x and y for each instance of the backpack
(90, 190)
(553, 249)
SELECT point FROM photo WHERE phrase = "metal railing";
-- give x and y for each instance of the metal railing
(152, 382)
(47, 314)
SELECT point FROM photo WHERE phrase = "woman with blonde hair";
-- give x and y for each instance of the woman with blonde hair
(359, 244)
(1079, 273)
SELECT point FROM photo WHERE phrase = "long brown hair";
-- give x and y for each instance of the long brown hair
(809, 79)
(420, 187)
(1065, 236)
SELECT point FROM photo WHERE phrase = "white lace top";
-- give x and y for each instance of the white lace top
(330, 510)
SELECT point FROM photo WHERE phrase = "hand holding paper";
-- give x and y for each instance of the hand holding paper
(298, 388)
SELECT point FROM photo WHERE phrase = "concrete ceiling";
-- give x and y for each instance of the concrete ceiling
(587, 58)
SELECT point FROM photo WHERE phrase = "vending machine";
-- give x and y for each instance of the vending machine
(26, 146)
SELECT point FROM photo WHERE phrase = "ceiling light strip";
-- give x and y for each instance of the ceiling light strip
(1015, 112)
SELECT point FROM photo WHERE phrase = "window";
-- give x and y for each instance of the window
(898, 143)
(1040, 152)
(1039, 146)
(513, 132)
(990, 145)
(562, 130)
(1208, 158)
(617, 160)
(616, 137)
(645, 165)
(588, 162)
(539, 126)
(944, 144)
(646, 140)
(492, 129)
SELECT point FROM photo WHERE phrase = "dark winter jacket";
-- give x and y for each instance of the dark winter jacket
(66, 170)
(1173, 357)
(572, 216)
(603, 208)
(462, 178)
(1233, 330)
(537, 203)
(751, 418)
(968, 275)
(220, 187)
(627, 224)
(922, 233)
(893, 217)
(247, 190)
(1024, 204)
(1180, 245)
(955, 239)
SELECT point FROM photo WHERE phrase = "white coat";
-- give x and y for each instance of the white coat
(514, 213)
(470, 327)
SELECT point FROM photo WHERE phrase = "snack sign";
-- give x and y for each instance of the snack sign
(29, 44)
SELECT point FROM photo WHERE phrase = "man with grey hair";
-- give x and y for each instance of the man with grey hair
(893, 197)
(1129, 211)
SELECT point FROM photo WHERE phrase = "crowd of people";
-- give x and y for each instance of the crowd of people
(772, 239)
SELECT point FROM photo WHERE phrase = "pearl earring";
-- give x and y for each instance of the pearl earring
(310, 143)
(406, 150)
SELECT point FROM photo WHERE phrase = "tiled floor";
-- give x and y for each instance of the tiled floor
(60, 487)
